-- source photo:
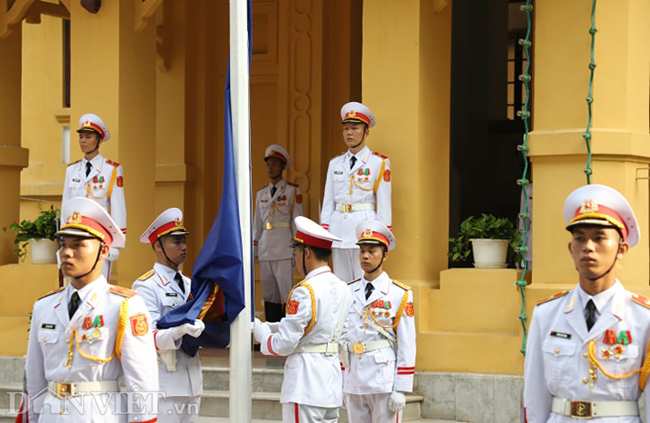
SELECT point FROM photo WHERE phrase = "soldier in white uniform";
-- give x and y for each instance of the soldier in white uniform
(357, 189)
(276, 205)
(309, 334)
(381, 334)
(97, 178)
(164, 288)
(587, 346)
(86, 336)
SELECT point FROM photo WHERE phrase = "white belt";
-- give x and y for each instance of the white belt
(71, 389)
(593, 409)
(273, 225)
(349, 208)
(364, 347)
(329, 348)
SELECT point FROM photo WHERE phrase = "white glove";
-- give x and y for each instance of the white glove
(261, 331)
(274, 326)
(113, 254)
(396, 401)
(192, 329)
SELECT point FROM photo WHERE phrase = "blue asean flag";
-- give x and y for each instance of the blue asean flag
(218, 277)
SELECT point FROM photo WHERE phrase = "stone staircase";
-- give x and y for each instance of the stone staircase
(267, 380)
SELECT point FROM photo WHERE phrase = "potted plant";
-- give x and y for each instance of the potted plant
(494, 240)
(39, 233)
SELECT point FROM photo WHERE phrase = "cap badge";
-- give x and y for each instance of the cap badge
(367, 233)
(177, 222)
(75, 218)
(352, 113)
(588, 206)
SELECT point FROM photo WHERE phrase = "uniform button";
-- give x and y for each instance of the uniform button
(44, 340)
(557, 351)
(585, 355)
(585, 381)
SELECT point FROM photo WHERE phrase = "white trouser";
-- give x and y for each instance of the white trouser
(179, 409)
(300, 413)
(276, 277)
(346, 263)
(371, 408)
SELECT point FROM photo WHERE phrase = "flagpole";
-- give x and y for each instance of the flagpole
(240, 330)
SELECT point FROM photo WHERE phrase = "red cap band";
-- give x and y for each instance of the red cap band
(376, 236)
(89, 225)
(163, 230)
(602, 213)
(313, 241)
(352, 115)
(90, 125)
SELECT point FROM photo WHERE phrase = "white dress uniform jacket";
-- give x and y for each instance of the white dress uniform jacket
(313, 379)
(273, 227)
(556, 365)
(366, 187)
(387, 369)
(162, 294)
(88, 348)
(104, 184)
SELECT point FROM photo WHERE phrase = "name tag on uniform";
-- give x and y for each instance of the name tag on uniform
(338, 172)
(561, 335)
(264, 201)
(48, 326)
(76, 180)
(171, 294)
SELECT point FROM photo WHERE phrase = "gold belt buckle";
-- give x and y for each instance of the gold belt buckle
(268, 225)
(347, 208)
(64, 390)
(581, 409)
(358, 348)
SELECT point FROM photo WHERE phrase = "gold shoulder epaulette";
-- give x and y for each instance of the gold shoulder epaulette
(54, 291)
(643, 301)
(73, 163)
(119, 290)
(402, 285)
(112, 163)
(380, 155)
(356, 280)
(553, 297)
(146, 276)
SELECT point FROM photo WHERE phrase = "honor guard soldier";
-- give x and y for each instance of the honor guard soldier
(276, 205)
(381, 332)
(317, 310)
(86, 336)
(587, 356)
(97, 178)
(357, 189)
(164, 288)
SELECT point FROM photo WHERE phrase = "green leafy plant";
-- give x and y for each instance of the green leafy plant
(487, 226)
(43, 227)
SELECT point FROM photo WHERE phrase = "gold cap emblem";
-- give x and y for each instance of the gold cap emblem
(75, 218)
(367, 233)
(177, 222)
(588, 206)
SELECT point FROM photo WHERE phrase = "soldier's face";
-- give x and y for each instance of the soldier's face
(353, 133)
(370, 256)
(595, 248)
(274, 167)
(176, 248)
(78, 255)
(88, 141)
